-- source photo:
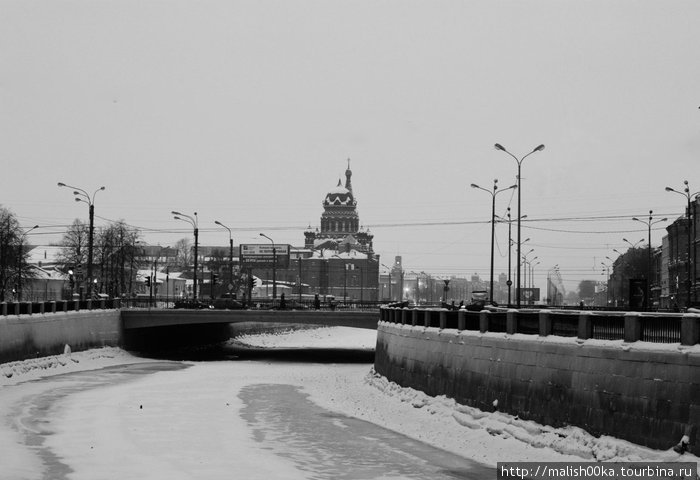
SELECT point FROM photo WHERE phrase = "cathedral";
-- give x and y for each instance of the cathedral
(340, 223)
(337, 260)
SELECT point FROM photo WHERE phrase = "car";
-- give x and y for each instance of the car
(226, 303)
(191, 304)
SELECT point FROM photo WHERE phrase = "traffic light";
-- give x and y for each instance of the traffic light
(148, 281)
(214, 277)
(251, 282)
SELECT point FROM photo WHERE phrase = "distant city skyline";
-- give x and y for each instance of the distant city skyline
(247, 111)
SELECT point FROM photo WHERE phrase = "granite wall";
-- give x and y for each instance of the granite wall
(645, 393)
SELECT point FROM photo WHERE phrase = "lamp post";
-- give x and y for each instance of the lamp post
(82, 196)
(345, 279)
(230, 253)
(633, 245)
(274, 266)
(510, 250)
(192, 221)
(527, 262)
(686, 193)
(19, 262)
(539, 148)
(389, 270)
(606, 271)
(528, 269)
(493, 194)
(649, 223)
(533, 264)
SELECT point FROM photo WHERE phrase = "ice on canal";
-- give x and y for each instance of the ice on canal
(257, 419)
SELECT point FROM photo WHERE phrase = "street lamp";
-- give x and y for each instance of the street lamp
(606, 271)
(389, 270)
(649, 223)
(527, 269)
(539, 148)
(274, 266)
(19, 262)
(633, 245)
(192, 221)
(82, 196)
(686, 193)
(533, 264)
(230, 253)
(510, 249)
(345, 279)
(493, 222)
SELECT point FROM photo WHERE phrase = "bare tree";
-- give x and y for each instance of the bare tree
(117, 257)
(73, 253)
(10, 262)
(184, 256)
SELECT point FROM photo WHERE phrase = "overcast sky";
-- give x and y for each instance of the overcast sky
(247, 111)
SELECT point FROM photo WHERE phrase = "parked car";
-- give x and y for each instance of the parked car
(191, 304)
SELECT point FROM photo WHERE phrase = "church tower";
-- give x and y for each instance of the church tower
(340, 222)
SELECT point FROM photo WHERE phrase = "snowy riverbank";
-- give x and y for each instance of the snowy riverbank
(353, 390)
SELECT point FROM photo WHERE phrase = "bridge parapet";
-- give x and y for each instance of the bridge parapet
(683, 328)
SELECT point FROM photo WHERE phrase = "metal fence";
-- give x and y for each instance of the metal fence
(601, 325)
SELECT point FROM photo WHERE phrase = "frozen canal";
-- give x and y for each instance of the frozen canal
(226, 419)
(105, 414)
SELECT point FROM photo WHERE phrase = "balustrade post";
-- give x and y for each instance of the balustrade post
(545, 321)
(443, 319)
(461, 319)
(633, 327)
(4, 309)
(404, 314)
(585, 325)
(17, 308)
(65, 306)
(53, 306)
(690, 329)
(426, 318)
(512, 321)
(484, 321)
(42, 307)
(414, 318)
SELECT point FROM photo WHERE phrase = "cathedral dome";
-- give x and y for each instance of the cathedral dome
(339, 196)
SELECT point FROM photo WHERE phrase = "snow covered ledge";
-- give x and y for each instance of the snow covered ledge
(643, 392)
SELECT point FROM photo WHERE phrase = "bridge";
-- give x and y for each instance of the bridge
(166, 328)
(142, 318)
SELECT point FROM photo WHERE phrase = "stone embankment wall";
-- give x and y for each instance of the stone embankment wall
(647, 394)
(30, 336)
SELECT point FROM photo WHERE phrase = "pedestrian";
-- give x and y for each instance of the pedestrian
(283, 303)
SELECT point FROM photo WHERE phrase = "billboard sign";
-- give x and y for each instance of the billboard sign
(260, 255)
(530, 295)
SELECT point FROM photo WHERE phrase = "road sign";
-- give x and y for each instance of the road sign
(262, 255)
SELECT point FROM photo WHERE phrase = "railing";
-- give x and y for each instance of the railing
(37, 308)
(683, 328)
